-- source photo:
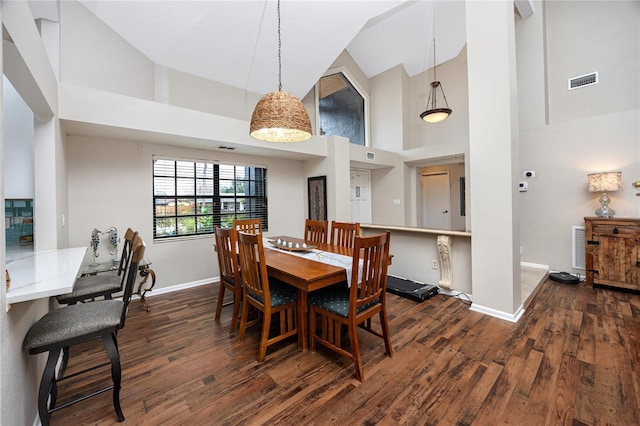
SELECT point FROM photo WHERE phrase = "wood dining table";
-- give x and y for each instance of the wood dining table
(304, 274)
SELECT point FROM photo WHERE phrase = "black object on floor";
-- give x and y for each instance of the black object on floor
(564, 277)
(411, 289)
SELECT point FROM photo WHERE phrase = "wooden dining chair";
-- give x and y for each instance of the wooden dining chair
(252, 226)
(229, 273)
(269, 296)
(75, 324)
(103, 284)
(354, 306)
(343, 233)
(316, 231)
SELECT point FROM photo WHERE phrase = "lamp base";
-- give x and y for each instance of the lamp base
(605, 211)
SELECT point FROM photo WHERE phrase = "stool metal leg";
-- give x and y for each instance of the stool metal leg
(65, 362)
(46, 384)
(111, 345)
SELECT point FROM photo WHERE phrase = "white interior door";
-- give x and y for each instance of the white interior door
(360, 196)
(436, 200)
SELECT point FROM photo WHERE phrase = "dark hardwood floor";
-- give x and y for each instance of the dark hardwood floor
(574, 358)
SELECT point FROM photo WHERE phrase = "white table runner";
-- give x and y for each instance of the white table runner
(327, 257)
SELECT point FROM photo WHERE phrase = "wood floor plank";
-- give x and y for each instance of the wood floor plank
(562, 401)
(573, 358)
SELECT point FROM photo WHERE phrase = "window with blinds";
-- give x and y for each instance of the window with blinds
(191, 197)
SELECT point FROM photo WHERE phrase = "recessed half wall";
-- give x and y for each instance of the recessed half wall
(414, 251)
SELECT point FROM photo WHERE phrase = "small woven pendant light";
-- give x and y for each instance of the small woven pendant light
(280, 116)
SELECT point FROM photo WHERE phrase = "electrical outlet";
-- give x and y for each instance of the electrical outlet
(434, 264)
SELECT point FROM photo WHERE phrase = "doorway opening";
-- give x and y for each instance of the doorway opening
(360, 196)
(435, 192)
(441, 197)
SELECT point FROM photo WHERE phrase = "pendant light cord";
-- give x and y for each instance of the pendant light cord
(433, 15)
(279, 52)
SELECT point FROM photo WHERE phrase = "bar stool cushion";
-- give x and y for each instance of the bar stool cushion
(71, 322)
(90, 285)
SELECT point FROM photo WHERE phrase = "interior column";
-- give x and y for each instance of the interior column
(493, 152)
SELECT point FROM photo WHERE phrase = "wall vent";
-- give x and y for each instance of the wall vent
(577, 246)
(583, 80)
(371, 156)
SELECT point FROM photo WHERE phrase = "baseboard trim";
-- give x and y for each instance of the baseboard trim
(535, 265)
(515, 317)
(183, 286)
(455, 293)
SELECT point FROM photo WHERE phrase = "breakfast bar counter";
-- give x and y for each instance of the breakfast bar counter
(44, 274)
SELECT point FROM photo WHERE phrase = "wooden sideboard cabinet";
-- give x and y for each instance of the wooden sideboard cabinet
(612, 254)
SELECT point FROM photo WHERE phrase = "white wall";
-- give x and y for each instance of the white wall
(598, 36)
(387, 112)
(413, 252)
(567, 134)
(110, 184)
(562, 155)
(18, 144)
(92, 55)
(32, 76)
(193, 92)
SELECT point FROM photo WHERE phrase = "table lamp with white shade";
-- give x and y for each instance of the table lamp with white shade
(605, 182)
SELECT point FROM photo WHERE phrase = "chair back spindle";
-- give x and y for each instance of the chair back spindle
(316, 231)
(252, 226)
(343, 233)
(254, 269)
(374, 252)
(269, 297)
(229, 272)
(125, 257)
(227, 258)
(137, 253)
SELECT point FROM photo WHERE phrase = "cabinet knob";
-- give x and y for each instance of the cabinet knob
(616, 231)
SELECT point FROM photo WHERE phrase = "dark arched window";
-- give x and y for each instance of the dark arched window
(342, 108)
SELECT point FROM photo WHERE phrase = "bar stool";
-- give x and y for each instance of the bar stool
(104, 284)
(75, 324)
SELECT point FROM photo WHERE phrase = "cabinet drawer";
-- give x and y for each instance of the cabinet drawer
(614, 230)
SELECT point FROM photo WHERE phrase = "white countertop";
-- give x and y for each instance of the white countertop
(418, 230)
(44, 274)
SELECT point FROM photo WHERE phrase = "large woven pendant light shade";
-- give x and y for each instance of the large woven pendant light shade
(280, 116)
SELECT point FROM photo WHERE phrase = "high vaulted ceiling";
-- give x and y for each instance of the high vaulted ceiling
(235, 42)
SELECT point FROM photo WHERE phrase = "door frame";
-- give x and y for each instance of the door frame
(423, 201)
